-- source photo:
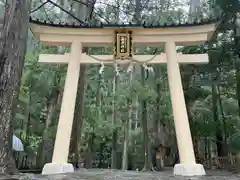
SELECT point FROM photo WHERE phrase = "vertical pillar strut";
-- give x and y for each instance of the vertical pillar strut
(187, 164)
(60, 155)
(184, 139)
(62, 142)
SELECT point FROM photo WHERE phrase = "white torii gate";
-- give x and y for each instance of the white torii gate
(168, 37)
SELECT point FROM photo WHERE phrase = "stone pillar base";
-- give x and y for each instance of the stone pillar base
(57, 168)
(189, 170)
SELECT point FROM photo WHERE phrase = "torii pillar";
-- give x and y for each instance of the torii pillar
(60, 154)
(187, 166)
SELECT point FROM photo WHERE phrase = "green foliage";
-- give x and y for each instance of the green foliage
(40, 80)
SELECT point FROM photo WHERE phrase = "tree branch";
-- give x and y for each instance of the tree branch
(91, 5)
(117, 7)
(83, 3)
(67, 12)
(45, 12)
(92, 9)
(39, 6)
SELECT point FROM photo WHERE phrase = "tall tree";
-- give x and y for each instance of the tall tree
(144, 116)
(12, 51)
(114, 106)
(128, 126)
(195, 9)
(114, 122)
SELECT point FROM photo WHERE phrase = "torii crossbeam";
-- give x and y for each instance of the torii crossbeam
(158, 59)
(168, 37)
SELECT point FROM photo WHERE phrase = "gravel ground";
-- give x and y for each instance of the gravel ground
(96, 174)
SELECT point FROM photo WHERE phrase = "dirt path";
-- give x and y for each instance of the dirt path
(97, 174)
